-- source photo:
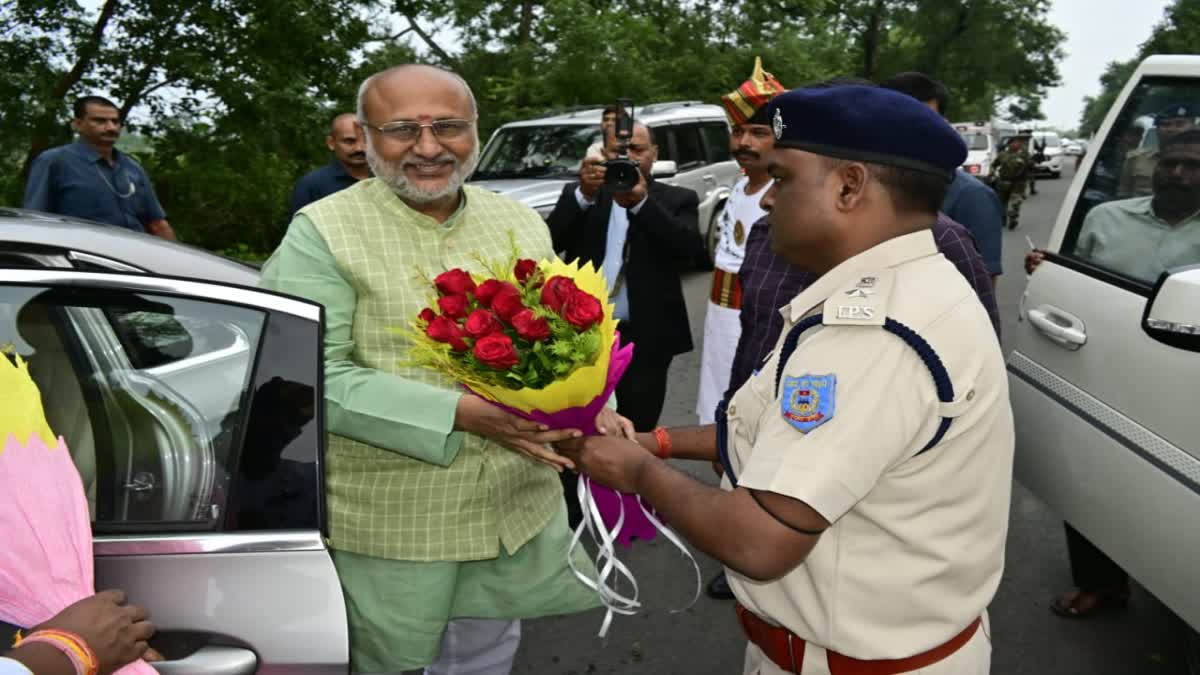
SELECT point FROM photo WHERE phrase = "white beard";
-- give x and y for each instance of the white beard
(392, 173)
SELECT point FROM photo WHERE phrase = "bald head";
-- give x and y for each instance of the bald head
(342, 124)
(414, 80)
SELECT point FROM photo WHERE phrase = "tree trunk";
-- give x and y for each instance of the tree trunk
(428, 40)
(871, 38)
(525, 28)
(44, 124)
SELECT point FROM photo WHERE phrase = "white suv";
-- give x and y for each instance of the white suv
(531, 160)
(1105, 370)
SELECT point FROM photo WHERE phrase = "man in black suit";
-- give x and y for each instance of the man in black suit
(641, 239)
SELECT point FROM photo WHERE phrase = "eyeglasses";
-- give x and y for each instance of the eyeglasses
(446, 130)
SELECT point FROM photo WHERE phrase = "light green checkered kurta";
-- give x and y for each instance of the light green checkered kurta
(417, 511)
(401, 483)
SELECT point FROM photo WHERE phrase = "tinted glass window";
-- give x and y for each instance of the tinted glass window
(537, 152)
(689, 153)
(1139, 211)
(716, 142)
(153, 424)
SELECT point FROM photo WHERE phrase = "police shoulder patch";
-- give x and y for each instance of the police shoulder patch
(807, 401)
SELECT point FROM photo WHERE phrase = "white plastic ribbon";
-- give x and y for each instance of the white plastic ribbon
(609, 569)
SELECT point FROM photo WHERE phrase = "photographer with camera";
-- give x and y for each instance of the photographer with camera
(642, 233)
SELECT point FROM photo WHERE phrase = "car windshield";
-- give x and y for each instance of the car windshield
(1048, 140)
(975, 141)
(551, 151)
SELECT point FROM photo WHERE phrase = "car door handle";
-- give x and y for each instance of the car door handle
(1059, 326)
(709, 178)
(211, 661)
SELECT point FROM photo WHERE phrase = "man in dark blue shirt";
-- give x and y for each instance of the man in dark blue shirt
(968, 201)
(349, 165)
(93, 180)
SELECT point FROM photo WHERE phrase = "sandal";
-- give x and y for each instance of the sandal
(1085, 604)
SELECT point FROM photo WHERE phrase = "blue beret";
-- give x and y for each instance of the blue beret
(1175, 110)
(867, 124)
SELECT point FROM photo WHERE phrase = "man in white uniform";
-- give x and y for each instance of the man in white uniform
(750, 139)
(868, 464)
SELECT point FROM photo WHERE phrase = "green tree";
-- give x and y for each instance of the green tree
(1177, 33)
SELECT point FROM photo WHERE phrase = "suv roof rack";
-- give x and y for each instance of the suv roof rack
(655, 108)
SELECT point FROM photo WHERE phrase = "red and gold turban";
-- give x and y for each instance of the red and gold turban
(742, 104)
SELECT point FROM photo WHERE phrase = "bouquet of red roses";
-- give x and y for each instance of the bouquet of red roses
(535, 339)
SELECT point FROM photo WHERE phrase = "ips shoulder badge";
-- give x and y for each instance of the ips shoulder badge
(808, 400)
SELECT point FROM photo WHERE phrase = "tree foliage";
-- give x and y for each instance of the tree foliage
(234, 96)
(1177, 33)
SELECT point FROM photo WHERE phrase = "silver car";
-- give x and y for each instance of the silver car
(191, 403)
(532, 160)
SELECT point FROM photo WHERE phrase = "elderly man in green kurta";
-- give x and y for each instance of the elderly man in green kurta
(446, 517)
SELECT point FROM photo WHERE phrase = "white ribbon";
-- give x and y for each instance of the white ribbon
(608, 567)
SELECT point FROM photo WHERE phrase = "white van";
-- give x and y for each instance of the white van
(1105, 367)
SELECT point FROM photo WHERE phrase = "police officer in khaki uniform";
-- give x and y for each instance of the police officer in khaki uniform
(1137, 173)
(863, 512)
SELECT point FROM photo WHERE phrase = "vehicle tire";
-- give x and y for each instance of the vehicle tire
(1056, 174)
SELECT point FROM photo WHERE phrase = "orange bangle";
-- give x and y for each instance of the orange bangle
(73, 646)
(663, 438)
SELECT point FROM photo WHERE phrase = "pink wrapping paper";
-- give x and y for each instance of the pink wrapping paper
(609, 501)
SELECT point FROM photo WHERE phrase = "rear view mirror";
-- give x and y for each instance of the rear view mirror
(1172, 313)
(663, 168)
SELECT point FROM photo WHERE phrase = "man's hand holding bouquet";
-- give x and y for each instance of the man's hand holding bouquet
(539, 354)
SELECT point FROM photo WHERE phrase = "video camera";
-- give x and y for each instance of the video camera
(622, 174)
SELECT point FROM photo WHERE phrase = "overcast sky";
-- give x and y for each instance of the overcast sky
(1098, 31)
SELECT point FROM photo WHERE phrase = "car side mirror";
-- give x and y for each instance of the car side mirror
(1172, 313)
(664, 168)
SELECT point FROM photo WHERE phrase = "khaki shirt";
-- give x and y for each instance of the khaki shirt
(1137, 173)
(916, 547)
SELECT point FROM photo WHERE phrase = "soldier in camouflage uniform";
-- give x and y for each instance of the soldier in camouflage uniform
(1009, 176)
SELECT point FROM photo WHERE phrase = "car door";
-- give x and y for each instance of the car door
(205, 492)
(1107, 427)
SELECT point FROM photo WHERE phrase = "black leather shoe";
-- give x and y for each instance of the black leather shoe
(719, 588)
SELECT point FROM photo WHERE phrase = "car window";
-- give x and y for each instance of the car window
(975, 140)
(152, 340)
(716, 142)
(1137, 214)
(537, 151)
(154, 446)
(689, 153)
(664, 138)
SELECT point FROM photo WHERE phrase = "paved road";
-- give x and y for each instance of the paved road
(705, 638)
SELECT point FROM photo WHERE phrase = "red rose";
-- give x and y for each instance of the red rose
(556, 292)
(454, 282)
(426, 315)
(582, 310)
(453, 306)
(497, 350)
(525, 269)
(507, 302)
(488, 290)
(446, 331)
(482, 323)
(529, 326)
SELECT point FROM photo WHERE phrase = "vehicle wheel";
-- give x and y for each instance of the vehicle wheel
(1056, 174)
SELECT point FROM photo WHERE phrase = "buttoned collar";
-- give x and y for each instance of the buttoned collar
(384, 195)
(1144, 206)
(85, 151)
(891, 253)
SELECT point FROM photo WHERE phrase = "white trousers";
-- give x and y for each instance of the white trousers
(973, 658)
(477, 647)
(722, 328)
